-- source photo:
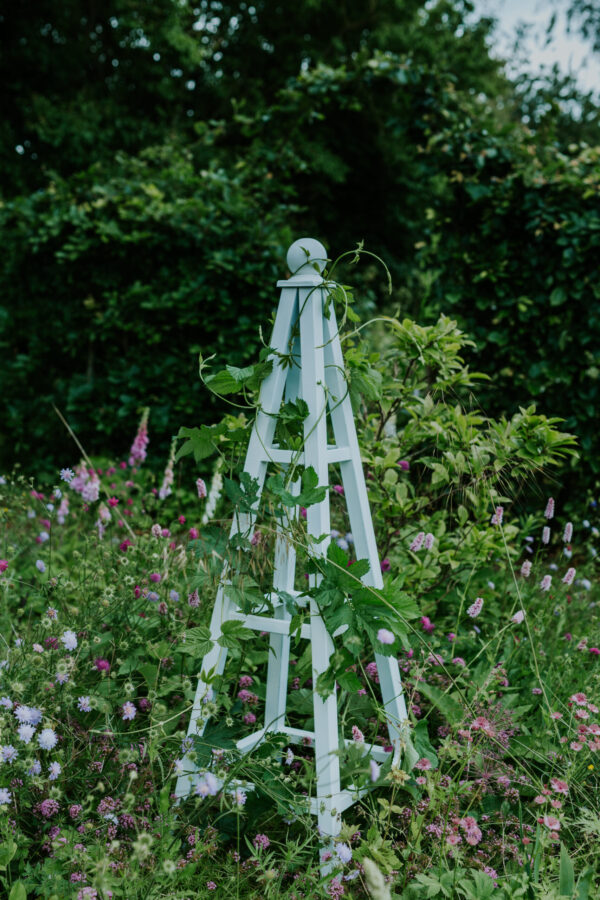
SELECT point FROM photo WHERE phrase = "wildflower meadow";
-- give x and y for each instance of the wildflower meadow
(107, 581)
(300, 536)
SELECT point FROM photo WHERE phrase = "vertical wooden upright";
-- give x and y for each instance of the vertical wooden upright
(316, 376)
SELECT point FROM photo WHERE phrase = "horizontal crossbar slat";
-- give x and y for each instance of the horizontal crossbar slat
(333, 454)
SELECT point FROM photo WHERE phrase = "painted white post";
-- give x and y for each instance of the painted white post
(317, 377)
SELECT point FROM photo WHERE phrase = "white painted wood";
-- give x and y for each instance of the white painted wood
(318, 378)
(361, 525)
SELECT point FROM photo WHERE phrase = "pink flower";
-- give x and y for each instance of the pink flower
(427, 625)
(549, 511)
(579, 698)
(423, 764)
(453, 839)
(595, 651)
(385, 636)
(155, 577)
(194, 534)
(194, 599)
(429, 541)
(568, 534)
(518, 617)
(545, 535)
(338, 489)
(570, 575)
(497, 517)
(113, 501)
(262, 841)
(475, 608)
(545, 583)
(249, 718)
(526, 569)
(140, 442)
(551, 822)
(3, 565)
(404, 465)
(561, 787)
(201, 488)
(357, 735)
(385, 565)
(102, 665)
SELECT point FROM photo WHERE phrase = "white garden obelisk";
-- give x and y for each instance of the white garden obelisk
(317, 377)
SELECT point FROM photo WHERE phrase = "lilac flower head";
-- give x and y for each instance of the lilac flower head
(201, 488)
(475, 608)
(545, 535)
(54, 770)
(40, 565)
(67, 475)
(35, 768)
(8, 753)
(344, 852)
(498, 514)
(568, 533)
(5, 796)
(83, 704)
(69, 640)
(549, 511)
(47, 739)
(385, 636)
(518, 617)
(545, 583)
(26, 732)
(429, 541)
(526, 569)
(129, 711)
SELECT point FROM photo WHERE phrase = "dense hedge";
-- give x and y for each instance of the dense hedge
(514, 246)
(113, 283)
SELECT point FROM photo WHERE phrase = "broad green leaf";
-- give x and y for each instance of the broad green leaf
(566, 875)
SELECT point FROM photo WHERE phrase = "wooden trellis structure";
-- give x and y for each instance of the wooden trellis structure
(317, 376)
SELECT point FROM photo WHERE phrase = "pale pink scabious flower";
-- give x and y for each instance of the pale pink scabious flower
(475, 608)
(526, 569)
(549, 511)
(545, 583)
(429, 541)
(551, 822)
(568, 534)
(570, 575)
(418, 542)
(423, 764)
(201, 488)
(545, 535)
(518, 617)
(140, 442)
(498, 514)
(385, 636)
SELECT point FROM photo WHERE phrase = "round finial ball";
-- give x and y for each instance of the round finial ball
(298, 260)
